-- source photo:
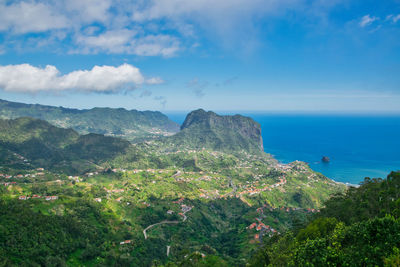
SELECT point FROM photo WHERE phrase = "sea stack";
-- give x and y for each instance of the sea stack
(326, 159)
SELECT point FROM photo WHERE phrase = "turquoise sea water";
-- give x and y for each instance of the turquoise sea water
(358, 146)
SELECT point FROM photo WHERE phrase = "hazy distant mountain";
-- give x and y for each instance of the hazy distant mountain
(208, 130)
(132, 125)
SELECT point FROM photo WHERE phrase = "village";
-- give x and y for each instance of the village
(263, 229)
(208, 185)
(120, 188)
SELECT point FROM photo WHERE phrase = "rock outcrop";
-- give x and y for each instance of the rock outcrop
(325, 159)
(203, 129)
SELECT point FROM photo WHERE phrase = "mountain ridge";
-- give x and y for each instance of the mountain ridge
(57, 148)
(132, 125)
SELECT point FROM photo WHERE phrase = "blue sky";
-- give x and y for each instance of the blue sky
(253, 55)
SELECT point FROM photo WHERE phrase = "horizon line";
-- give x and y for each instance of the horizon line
(236, 111)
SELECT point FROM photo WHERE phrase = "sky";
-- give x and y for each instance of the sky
(317, 56)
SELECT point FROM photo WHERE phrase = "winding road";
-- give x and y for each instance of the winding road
(164, 222)
(150, 226)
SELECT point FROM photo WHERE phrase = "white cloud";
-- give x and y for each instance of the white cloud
(95, 26)
(24, 17)
(146, 27)
(40, 16)
(153, 45)
(388, 20)
(221, 10)
(389, 17)
(155, 80)
(106, 79)
(367, 20)
(396, 18)
(110, 41)
(126, 42)
(89, 10)
(393, 18)
(232, 21)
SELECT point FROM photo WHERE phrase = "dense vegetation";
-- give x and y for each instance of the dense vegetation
(358, 228)
(132, 125)
(79, 232)
(59, 149)
(75, 230)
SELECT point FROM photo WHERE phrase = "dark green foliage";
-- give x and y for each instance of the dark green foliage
(393, 260)
(374, 198)
(301, 198)
(57, 148)
(259, 259)
(97, 147)
(29, 238)
(318, 228)
(196, 259)
(359, 228)
(362, 244)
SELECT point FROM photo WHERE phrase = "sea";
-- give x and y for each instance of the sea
(358, 146)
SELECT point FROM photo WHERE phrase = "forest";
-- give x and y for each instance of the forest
(358, 228)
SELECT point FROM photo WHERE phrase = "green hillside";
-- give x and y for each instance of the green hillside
(96, 211)
(358, 228)
(132, 125)
(44, 145)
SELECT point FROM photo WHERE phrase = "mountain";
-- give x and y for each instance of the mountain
(208, 130)
(48, 146)
(132, 125)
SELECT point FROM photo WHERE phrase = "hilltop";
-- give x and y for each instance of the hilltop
(207, 130)
(132, 125)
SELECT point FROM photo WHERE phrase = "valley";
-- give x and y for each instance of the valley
(208, 190)
(206, 204)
